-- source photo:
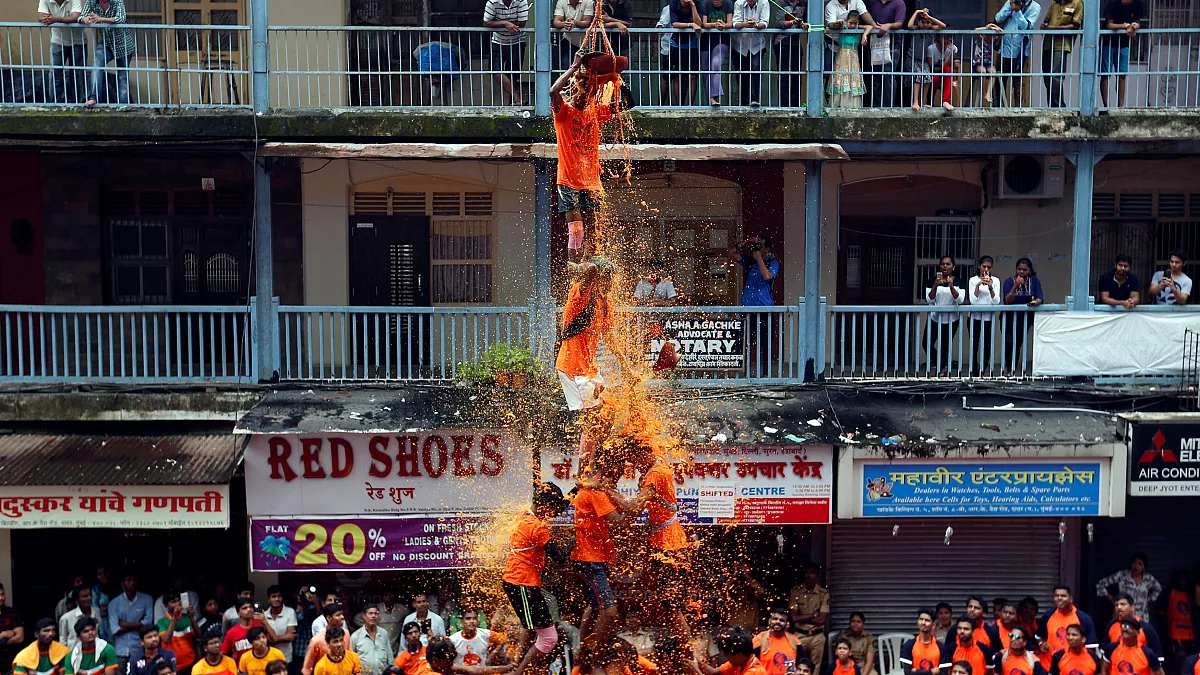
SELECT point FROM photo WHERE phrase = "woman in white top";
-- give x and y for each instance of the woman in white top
(939, 336)
(983, 289)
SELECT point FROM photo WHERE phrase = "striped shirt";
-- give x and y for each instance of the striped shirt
(515, 11)
(90, 663)
(118, 40)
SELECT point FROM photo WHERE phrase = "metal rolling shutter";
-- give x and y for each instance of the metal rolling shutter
(889, 578)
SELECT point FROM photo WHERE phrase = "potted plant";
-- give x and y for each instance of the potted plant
(506, 365)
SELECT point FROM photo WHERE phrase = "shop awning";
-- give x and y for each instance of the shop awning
(28, 459)
(132, 482)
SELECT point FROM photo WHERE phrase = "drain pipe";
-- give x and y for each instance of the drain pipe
(1009, 407)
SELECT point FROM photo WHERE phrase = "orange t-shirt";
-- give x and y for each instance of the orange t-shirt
(926, 656)
(527, 557)
(1114, 633)
(670, 537)
(1131, 660)
(1016, 665)
(577, 354)
(752, 667)
(1003, 632)
(776, 654)
(1179, 616)
(1070, 663)
(972, 655)
(836, 668)
(1056, 629)
(593, 542)
(413, 664)
(578, 135)
(982, 637)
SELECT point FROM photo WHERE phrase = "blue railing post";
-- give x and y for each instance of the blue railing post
(813, 170)
(541, 58)
(814, 83)
(1089, 89)
(264, 273)
(1081, 244)
(259, 55)
(546, 314)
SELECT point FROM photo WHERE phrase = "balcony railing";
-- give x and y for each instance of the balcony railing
(165, 66)
(719, 345)
(309, 67)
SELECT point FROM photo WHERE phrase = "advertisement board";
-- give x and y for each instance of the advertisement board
(364, 544)
(1164, 459)
(703, 342)
(125, 506)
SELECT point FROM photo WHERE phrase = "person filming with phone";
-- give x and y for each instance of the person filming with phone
(983, 290)
(760, 267)
(939, 336)
(1172, 286)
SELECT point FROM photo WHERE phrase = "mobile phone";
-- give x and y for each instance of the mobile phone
(185, 602)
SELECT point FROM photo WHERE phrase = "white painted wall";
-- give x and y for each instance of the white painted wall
(326, 212)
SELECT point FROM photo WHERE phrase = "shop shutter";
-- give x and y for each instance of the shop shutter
(1159, 527)
(889, 578)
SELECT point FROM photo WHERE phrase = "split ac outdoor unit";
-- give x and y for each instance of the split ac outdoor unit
(1030, 177)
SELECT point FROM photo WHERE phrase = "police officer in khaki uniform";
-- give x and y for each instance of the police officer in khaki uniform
(861, 643)
(809, 604)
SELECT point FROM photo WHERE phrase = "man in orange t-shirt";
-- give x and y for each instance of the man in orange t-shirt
(412, 658)
(966, 648)
(1127, 657)
(577, 131)
(594, 550)
(1075, 659)
(737, 648)
(670, 561)
(587, 316)
(778, 649)
(528, 545)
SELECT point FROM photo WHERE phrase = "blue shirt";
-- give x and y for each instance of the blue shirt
(758, 290)
(1015, 45)
(1026, 293)
(139, 665)
(121, 608)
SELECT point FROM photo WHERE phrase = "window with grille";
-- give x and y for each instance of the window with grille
(462, 242)
(140, 261)
(937, 237)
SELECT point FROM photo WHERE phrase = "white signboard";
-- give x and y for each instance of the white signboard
(716, 501)
(125, 506)
(439, 472)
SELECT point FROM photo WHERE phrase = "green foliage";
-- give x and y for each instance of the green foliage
(499, 358)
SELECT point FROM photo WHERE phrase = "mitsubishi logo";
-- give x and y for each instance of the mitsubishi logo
(1167, 455)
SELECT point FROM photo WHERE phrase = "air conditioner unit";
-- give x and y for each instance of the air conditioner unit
(1030, 177)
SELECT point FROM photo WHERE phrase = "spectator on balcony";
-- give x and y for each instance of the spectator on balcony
(846, 85)
(664, 56)
(1171, 286)
(573, 18)
(836, 12)
(508, 43)
(944, 61)
(760, 267)
(112, 44)
(1056, 50)
(1119, 287)
(1015, 18)
(983, 290)
(751, 16)
(1022, 288)
(66, 48)
(718, 16)
(884, 52)
(789, 52)
(983, 58)
(618, 14)
(940, 291)
(684, 60)
(1119, 15)
(656, 286)
(915, 57)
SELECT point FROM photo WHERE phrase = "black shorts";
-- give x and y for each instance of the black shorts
(508, 58)
(683, 60)
(530, 605)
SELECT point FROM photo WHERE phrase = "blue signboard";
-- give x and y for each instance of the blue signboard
(981, 489)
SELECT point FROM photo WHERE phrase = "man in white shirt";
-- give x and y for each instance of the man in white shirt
(1172, 286)
(67, 46)
(983, 290)
(472, 641)
(82, 597)
(836, 12)
(391, 617)
(752, 15)
(319, 623)
(230, 618)
(281, 622)
(573, 18)
(507, 18)
(941, 291)
(431, 624)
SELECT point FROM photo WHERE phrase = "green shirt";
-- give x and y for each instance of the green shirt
(45, 666)
(1065, 13)
(91, 664)
(118, 39)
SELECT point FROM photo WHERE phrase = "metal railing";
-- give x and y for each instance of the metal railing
(959, 68)
(145, 65)
(392, 343)
(1161, 69)
(373, 67)
(118, 345)
(722, 344)
(919, 342)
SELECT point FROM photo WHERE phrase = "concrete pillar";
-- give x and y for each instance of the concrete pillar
(260, 59)
(813, 338)
(267, 338)
(815, 59)
(544, 314)
(1089, 90)
(541, 57)
(1081, 244)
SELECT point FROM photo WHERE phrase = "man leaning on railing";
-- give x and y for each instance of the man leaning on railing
(112, 44)
(1056, 51)
(67, 46)
(1171, 286)
(508, 17)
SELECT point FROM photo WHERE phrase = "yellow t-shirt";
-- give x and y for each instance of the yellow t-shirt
(225, 667)
(252, 665)
(349, 665)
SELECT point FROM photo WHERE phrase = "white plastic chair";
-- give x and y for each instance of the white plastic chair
(889, 645)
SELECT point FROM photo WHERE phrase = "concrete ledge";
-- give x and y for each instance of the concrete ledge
(126, 406)
(31, 126)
